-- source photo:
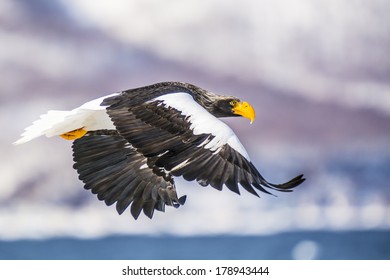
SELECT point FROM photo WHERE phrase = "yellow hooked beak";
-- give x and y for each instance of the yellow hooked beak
(244, 109)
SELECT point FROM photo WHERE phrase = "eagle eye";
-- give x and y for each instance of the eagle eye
(233, 103)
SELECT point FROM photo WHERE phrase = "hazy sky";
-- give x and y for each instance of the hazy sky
(317, 71)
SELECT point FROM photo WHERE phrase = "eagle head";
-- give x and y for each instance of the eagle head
(233, 107)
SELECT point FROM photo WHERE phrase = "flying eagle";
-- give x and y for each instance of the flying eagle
(129, 146)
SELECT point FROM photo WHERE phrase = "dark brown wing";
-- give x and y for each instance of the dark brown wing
(163, 134)
(111, 168)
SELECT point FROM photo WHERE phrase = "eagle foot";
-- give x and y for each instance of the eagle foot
(74, 134)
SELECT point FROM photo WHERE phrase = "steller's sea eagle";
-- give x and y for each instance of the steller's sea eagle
(129, 146)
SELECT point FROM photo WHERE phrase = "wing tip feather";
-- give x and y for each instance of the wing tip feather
(290, 185)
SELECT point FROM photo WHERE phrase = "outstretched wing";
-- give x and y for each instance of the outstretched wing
(111, 168)
(183, 138)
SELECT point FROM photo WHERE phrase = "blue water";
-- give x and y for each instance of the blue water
(330, 245)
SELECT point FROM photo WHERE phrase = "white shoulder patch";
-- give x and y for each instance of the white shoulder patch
(203, 122)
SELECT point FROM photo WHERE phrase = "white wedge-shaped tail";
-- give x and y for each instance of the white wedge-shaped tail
(89, 116)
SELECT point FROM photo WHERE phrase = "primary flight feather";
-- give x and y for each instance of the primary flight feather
(129, 146)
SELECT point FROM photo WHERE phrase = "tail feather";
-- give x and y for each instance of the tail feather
(52, 124)
(91, 116)
(42, 126)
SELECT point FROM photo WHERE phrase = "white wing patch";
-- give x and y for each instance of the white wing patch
(203, 122)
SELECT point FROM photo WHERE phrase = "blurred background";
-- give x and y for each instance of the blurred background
(317, 73)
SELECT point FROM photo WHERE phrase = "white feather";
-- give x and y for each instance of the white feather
(180, 165)
(143, 166)
(90, 116)
(203, 122)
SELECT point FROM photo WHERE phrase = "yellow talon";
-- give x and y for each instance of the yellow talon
(74, 134)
